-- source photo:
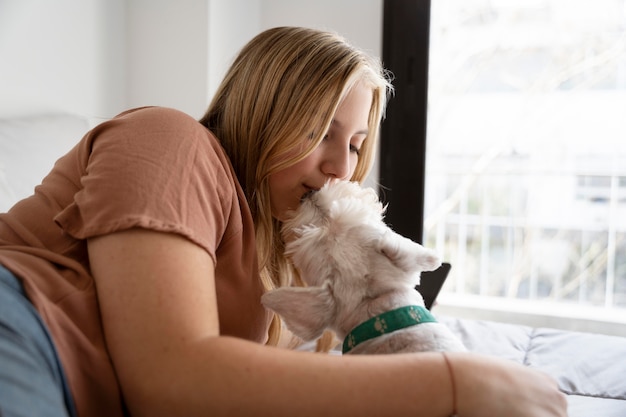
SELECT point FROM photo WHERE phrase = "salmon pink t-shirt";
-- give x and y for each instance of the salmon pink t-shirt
(153, 168)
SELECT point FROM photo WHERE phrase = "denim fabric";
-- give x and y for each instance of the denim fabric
(32, 383)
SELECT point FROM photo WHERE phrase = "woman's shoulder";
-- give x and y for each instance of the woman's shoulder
(159, 117)
(163, 128)
(154, 111)
(134, 163)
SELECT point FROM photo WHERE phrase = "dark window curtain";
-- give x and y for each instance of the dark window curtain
(406, 29)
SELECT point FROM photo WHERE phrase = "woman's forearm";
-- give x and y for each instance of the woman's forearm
(226, 376)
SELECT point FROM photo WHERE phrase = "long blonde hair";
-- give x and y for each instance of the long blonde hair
(284, 85)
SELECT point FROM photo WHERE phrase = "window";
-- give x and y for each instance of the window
(525, 183)
(527, 148)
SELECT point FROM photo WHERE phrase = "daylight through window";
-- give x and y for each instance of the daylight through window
(526, 148)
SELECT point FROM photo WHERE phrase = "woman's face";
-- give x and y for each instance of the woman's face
(335, 158)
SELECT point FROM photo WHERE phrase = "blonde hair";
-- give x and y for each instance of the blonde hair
(285, 85)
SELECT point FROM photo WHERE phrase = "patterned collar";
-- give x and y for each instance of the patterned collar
(388, 322)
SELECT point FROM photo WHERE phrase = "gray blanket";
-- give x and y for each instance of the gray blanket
(590, 368)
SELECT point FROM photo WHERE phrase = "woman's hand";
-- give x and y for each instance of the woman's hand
(487, 386)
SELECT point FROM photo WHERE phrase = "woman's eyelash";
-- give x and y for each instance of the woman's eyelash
(353, 148)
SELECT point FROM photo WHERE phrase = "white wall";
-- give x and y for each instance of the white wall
(167, 50)
(60, 55)
(360, 21)
(99, 57)
(232, 23)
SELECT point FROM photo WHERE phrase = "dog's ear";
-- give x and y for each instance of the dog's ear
(307, 311)
(407, 255)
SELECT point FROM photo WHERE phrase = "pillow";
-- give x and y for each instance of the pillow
(29, 147)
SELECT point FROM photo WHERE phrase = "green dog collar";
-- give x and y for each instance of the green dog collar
(388, 322)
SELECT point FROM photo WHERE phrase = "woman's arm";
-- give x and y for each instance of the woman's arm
(159, 311)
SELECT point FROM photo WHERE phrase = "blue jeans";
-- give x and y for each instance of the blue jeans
(32, 382)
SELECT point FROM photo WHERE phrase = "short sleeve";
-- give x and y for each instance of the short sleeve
(153, 168)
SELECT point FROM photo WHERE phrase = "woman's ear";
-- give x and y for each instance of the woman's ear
(306, 311)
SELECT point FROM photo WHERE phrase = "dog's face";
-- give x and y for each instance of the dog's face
(333, 232)
(346, 254)
(339, 234)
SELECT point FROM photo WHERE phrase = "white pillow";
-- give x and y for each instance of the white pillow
(29, 147)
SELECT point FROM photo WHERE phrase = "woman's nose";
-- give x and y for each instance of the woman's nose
(336, 163)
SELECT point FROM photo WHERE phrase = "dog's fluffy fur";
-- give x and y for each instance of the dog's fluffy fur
(355, 267)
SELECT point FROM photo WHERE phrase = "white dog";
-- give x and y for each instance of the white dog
(360, 276)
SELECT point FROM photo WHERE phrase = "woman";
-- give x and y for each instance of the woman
(175, 224)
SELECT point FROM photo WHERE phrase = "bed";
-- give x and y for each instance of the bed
(590, 368)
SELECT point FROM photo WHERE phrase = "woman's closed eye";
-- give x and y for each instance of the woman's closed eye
(356, 149)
